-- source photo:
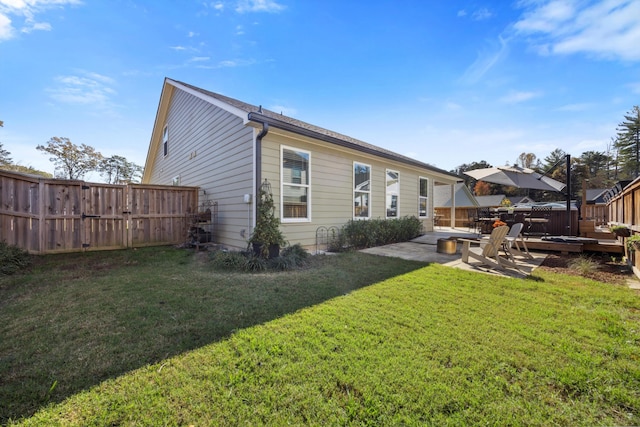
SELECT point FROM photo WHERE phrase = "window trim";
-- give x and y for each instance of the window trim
(426, 198)
(387, 194)
(353, 191)
(165, 140)
(282, 184)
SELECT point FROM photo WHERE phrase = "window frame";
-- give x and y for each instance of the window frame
(354, 190)
(165, 140)
(388, 193)
(421, 197)
(284, 219)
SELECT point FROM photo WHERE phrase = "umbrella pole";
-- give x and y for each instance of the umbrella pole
(568, 195)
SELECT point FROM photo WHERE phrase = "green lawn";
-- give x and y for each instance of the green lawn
(429, 345)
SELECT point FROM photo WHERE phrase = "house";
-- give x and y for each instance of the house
(521, 200)
(457, 197)
(595, 208)
(491, 201)
(462, 196)
(319, 178)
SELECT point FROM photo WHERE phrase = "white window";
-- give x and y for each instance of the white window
(423, 198)
(361, 190)
(165, 140)
(393, 193)
(296, 184)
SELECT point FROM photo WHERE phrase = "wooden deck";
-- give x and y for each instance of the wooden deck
(607, 246)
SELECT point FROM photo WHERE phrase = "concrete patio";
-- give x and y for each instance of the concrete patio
(424, 248)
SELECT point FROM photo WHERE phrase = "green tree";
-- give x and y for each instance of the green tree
(118, 170)
(593, 166)
(628, 143)
(25, 169)
(468, 181)
(528, 160)
(4, 154)
(71, 160)
(5, 160)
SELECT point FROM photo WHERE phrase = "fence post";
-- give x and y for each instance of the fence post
(41, 216)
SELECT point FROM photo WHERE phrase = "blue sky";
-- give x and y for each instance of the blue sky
(445, 82)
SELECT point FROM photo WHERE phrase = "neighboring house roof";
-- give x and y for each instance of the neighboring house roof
(260, 115)
(596, 195)
(463, 197)
(493, 200)
(520, 200)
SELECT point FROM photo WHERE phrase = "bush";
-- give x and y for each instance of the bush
(583, 265)
(377, 232)
(12, 258)
(256, 263)
(295, 255)
(229, 260)
(290, 257)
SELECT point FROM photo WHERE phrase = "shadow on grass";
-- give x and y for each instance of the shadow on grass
(75, 320)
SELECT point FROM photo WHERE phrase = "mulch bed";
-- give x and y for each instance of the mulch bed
(608, 270)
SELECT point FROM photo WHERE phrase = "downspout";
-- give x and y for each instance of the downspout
(262, 134)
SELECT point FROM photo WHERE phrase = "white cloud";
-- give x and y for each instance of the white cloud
(239, 30)
(462, 13)
(6, 30)
(482, 14)
(27, 10)
(575, 107)
(485, 61)
(219, 6)
(515, 97)
(452, 106)
(37, 26)
(199, 59)
(269, 6)
(635, 87)
(609, 29)
(85, 89)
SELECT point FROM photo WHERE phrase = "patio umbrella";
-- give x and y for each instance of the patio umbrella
(516, 176)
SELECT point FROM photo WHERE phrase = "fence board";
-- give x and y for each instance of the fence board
(49, 215)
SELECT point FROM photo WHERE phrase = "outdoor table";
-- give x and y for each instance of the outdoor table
(536, 225)
(486, 224)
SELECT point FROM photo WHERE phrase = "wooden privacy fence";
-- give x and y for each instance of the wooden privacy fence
(52, 215)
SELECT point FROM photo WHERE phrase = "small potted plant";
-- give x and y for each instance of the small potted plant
(621, 230)
(266, 238)
(633, 243)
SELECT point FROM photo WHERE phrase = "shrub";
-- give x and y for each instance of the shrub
(295, 255)
(633, 242)
(376, 232)
(280, 263)
(256, 263)
(290, 257)
(583, 265)
(12, 258)
(229, 260)
(338, 242)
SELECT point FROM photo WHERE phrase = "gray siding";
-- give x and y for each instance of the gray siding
(332, 185)
(212, 149)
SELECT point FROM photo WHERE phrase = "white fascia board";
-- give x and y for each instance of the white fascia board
(227, 107)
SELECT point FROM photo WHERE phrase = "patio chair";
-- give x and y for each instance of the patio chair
(484, 220)
(472, 219)
(538, 220)
(488, 251)
(512, 243)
